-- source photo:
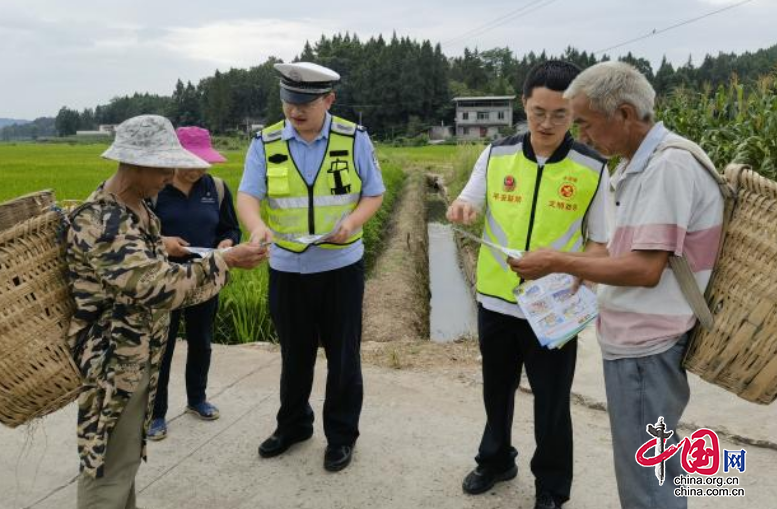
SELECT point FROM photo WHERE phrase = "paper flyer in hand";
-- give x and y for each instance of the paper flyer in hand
(555, 313)
(202, 252)
(199, 251)
(319, 237)
(508, 252)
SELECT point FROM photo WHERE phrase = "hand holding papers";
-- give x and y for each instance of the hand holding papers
(317, 238)
(556, 313)
(199, 251)
(203, 251)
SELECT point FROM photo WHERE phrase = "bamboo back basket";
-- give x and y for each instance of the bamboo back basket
(739, 353)
(37, 372)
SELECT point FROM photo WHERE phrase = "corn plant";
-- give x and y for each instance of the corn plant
(733, 123)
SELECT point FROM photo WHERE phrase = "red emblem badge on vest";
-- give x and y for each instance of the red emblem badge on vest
(567, 190)
(509, 183)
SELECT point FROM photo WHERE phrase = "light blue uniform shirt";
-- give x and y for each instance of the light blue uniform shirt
(308, 156)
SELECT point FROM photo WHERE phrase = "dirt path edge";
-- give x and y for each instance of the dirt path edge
(396, 297)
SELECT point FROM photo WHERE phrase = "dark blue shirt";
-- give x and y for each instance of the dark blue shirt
(197, 218)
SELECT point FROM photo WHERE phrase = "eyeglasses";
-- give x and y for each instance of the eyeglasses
(556, 118)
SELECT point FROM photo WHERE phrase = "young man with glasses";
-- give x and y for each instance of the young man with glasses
(309, 175)
(540, 189)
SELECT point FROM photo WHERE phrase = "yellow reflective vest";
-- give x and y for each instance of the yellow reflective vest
(530, 206)
(293, 208)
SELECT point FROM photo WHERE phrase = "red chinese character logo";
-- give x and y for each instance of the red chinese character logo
(567, 191)
(697, 457)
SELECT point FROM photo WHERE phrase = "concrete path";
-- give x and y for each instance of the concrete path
(419, 434)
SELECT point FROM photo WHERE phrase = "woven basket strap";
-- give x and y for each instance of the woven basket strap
(679, 264)
(684, 274)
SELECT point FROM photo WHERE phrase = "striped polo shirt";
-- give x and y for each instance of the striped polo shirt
(664, 201)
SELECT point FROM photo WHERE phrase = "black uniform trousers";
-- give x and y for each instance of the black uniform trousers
(322, 308)
(506, 345)
(198, 321)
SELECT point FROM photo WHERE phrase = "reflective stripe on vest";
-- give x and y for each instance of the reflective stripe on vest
(292, 208)
(529, 207)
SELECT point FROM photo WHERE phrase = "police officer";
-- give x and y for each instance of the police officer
(540, 189)
(312, 174)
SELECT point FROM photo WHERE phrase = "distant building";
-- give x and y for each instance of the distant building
(107, 128)
(93, 133)
(481, 118)
(250, 125)
(440, 132)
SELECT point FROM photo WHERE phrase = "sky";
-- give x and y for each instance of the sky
(81, 53)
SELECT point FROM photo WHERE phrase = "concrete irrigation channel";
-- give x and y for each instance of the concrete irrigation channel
(452, 312)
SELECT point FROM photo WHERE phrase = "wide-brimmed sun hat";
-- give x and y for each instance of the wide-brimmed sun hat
(150, 140)
(197, 141)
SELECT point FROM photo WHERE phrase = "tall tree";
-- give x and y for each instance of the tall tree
(67, 121)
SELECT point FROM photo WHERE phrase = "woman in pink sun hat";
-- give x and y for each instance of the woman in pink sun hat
(197, 141)
(196, 211)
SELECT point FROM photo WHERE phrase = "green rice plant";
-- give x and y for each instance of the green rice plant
(428, 157)
(73, 171)
(464, 162)
(466, 157)
(375, 230)
(244, 312)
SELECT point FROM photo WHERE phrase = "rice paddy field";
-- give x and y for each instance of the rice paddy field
(74, 170)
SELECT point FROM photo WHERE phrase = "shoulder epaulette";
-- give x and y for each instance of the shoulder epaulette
(269, 137)
(343, 128)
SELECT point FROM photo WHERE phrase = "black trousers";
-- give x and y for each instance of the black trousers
(199, 335)
(506, 345)
(311, 309)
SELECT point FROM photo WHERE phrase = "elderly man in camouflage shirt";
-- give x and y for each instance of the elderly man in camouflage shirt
(124, 288)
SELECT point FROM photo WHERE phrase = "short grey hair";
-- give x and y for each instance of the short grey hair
(609, 85)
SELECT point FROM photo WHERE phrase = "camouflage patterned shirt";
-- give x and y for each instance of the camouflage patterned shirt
(124, 288)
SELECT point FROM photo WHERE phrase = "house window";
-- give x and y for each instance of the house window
(465, 131)
(500, 115)
(465, 116)
(482, 115)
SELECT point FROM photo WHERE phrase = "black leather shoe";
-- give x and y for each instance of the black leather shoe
(337, 457)
(278, 444)
(546, 501)
(483, 479)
